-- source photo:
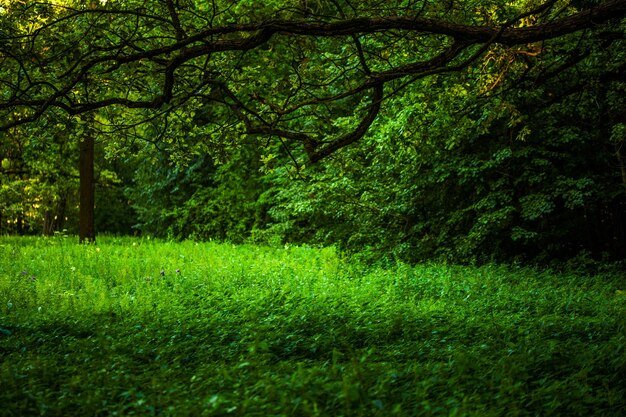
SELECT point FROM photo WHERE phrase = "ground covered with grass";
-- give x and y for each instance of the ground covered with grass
(136, 327)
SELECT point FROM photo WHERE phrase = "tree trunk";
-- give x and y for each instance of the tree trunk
(86, 224)
(59, 222)
(48, 223)
(54, 218)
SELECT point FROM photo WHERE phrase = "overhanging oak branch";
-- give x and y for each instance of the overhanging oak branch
(167, 62)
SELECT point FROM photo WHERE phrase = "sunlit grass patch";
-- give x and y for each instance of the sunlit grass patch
(131, 326)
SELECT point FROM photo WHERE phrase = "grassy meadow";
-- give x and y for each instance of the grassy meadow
(138, 327)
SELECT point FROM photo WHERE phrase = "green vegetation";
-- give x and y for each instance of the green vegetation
(463, 131)
(143, 327)
(402, 136)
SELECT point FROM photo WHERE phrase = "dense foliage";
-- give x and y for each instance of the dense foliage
(137, 327)
(412, 135)
(523, 176)
(464, 170)
(410, 130)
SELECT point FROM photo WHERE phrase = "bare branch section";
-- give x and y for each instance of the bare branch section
(82, 60)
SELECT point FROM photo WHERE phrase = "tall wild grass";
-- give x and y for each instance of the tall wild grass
(141, 327)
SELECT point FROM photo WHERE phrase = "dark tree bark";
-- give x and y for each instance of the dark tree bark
(54, 218)
(86, 224)
(48, 223)
(59, 222)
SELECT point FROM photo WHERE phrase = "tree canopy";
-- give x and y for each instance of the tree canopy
(332, 64)
(464, 130)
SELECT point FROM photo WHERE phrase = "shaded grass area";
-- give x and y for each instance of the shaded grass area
(135, 327)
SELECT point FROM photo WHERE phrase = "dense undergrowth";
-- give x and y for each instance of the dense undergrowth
(137, 327)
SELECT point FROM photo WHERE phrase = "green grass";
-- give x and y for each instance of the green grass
(247, 330)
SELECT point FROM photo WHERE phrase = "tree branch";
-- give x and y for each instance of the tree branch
(170, 58)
